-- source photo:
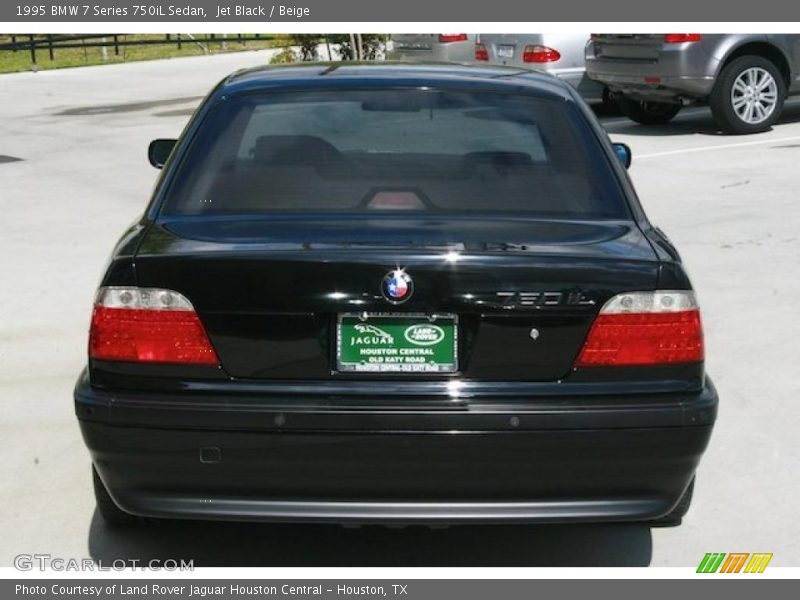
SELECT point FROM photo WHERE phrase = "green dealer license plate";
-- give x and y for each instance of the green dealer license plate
(397, 343)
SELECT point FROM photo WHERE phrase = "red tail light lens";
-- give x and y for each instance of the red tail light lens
(452, 37)
(680, 38)
(540, 54)
(645, 328)
(481, 53)
(148, 325)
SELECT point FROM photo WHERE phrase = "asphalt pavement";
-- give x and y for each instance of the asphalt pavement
(74, 174)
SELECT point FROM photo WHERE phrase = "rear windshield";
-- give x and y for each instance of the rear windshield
(398, 150)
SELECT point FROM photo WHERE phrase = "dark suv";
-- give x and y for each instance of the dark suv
(744, 78)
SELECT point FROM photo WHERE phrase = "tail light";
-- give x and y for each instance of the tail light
(148, 325)
(645, 328)
(444, 38)
(481, 53)
(680, 38)
(540, 54)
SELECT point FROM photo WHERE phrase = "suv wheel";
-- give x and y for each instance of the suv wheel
(610, 104)
(748, 95)
(675, 516)
(112, 514)
(647, 112)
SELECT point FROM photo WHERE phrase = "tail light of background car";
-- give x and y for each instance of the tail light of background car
(445, 38)
(148, 325)
(540, 54)
(680, 38)
(481, 53)
(645, 328)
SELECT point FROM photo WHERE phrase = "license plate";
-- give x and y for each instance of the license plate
(411, 46)
(505, 51)
(397, 343)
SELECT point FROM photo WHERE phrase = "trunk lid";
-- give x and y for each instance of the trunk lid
(507, 49)
(269, 290)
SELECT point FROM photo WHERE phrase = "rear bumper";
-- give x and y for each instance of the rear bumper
(478, 465)
(668, 89)
(679, 73)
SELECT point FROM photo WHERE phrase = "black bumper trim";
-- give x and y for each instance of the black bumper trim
(520, 476)
(483, 460)
(405, 513)
(277, 413)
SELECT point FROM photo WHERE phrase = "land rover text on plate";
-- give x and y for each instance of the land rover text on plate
(394, 294)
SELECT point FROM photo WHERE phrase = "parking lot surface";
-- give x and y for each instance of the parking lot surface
(74, 173)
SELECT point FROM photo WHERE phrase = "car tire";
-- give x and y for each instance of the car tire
(674, 517)
(728, 118)
(610, 104)
(647, 112)
(112, 514)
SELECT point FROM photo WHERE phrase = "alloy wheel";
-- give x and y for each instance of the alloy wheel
(754, 95)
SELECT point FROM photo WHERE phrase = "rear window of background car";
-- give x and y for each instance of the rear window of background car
(398, 150)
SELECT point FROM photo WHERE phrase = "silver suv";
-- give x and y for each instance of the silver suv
(744, 78)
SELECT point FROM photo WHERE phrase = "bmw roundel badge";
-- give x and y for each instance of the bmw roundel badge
(397, 286)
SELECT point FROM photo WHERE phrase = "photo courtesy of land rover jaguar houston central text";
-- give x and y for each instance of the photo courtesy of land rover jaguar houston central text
(394, 294)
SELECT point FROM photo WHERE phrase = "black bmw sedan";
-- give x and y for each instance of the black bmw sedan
(394, 294)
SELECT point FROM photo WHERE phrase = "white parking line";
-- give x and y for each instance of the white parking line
(719, 147)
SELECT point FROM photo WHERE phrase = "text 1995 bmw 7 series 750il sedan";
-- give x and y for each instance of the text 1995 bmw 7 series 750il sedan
(394, 294)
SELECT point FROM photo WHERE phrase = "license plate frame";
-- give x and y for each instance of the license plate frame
(424, 352)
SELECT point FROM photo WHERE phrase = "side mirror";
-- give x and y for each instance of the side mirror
(624, 154)
(158, 152)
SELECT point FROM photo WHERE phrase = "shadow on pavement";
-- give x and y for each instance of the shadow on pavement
(604, 110)
(105, 109)
(691, 120)
(213, 544)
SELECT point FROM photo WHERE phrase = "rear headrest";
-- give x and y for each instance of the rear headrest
(294, 150)
(499, 159)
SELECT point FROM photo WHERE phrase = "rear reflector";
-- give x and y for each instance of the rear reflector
(147, 325)
(452, 37)
(645, 328)
(481, 53)
(680, 38)
(540, 54)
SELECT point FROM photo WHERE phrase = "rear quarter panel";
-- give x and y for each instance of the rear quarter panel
(721, 47)
(789, 44)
